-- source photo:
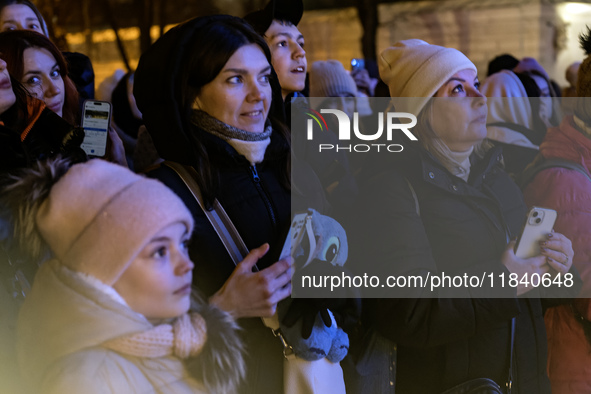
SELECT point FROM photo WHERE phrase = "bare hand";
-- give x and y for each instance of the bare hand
(558, 251)
(363, 82)
(254, 294)
(532, 265)
(115, 151)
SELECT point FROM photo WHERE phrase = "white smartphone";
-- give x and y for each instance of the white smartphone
(538, 225)
(295, 235)
(96, 119)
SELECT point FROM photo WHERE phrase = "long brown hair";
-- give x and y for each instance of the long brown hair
(213, 45)
(13, 45)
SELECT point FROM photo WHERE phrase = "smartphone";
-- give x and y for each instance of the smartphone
(357, 64)
(96, 119)
(538, 225)
(295, 235)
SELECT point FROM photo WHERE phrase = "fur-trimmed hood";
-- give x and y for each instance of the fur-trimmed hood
(66, 316)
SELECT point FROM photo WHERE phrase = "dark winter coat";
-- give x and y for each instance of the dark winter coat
(256, 201)
(463, 227)
(259, 206)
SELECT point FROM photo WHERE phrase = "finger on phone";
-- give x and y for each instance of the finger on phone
(281, 293)
(557, 255)
(557, 266)
(277, 269)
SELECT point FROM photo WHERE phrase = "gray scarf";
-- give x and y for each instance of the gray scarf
(250, 145)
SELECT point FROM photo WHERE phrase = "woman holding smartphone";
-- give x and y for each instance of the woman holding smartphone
(445, 206)
(208, 110)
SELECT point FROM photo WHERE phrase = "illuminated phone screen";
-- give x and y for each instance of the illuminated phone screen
(95, 121)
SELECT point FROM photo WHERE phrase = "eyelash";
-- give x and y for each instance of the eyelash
(235, 79)
(460, 88)
(162, 251)
(457, 89)
(238, 79)
(185, 245)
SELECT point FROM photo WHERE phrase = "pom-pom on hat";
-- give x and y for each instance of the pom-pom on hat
(99, 216)
(414, 68)
(329, 79)
(285, 10)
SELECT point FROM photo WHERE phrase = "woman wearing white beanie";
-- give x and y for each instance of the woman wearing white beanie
(445, 205)
(109, 310)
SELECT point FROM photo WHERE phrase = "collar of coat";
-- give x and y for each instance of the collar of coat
(431, 171)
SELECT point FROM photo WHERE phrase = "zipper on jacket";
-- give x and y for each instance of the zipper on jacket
(263, 193)
(255, 174)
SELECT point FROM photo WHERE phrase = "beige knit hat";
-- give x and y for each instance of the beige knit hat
(99, 216)
(329, 79)
(414, 68)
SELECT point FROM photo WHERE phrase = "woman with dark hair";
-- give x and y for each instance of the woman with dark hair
(37, 63)
(208, 109)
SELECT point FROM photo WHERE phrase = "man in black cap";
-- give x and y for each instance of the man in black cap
(277, 23)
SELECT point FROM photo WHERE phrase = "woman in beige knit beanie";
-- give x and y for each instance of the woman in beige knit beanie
(330, 81)
(443, 206)
(111, 308)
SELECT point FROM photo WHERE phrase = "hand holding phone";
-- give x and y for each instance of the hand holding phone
(538, 225)
(96, 119)
(357, 65)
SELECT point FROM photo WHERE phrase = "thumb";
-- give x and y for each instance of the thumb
(251, 259)
(511, 246)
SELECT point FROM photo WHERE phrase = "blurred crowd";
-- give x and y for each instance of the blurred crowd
(159, 266)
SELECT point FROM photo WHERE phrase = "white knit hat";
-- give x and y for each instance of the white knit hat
(414, 68)
(99, 216)
(329, 79)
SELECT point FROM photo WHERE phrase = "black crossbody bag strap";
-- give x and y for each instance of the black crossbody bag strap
(218, 217)
(228, 234)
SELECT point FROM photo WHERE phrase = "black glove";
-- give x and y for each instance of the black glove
(306, 309)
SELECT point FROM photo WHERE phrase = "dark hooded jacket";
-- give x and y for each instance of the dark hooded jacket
(459, 227)
(254, 197)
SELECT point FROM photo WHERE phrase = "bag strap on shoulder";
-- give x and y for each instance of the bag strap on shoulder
(540, 164)
(229, 236)
(218, 217)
